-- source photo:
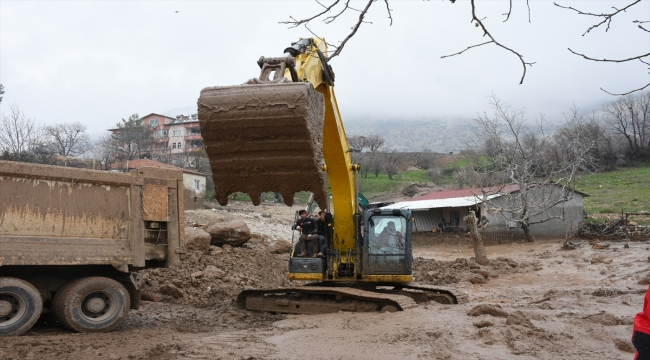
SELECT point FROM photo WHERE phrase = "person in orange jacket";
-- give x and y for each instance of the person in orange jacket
(641, 333)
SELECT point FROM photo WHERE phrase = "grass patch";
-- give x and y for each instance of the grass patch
(626, 189)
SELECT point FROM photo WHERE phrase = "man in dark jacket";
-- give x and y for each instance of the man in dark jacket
(321, 223)
(308, 232)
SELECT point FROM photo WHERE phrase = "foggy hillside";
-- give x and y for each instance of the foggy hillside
(443, 136)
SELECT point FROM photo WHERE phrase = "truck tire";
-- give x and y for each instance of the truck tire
(20, 306)
(91, 304)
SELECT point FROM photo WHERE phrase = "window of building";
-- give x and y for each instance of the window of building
(179, 146)
(160, 134)
(173, 145)
(154, 122)
(178, 133)
(197, 184)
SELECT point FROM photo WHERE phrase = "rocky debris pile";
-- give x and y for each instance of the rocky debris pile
(208, 279)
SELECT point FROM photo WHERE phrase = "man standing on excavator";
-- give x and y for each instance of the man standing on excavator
(308, 232)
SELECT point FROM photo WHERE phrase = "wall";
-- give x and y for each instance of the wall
(188, 183)
(573, 215)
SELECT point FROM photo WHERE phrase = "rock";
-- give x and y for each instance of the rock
(603, 272)
(624, 345)
(518, 318)
(212, 272)
(484, 273)
(483, 323)
(234, 233)
(280, 247)
(150, 297)
(197, 239)
(477, 279)
(494, 275)
(487, 309)
(215, 250)
(411, 190)
(197, 274)
(171, 290)
(644, 281)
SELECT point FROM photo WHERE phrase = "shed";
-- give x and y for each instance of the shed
(445, 210)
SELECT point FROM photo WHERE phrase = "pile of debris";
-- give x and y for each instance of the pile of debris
(223, 259)
(619, 229)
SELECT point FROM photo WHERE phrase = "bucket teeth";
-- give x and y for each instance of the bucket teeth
(264, 138)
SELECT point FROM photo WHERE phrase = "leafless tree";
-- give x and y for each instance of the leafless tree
(528, 157)
(18, 133)
(357, 143)
(390, 163)
(374, 142)
(629, 116)
(375, 164)
(333, 10)
(68, 139)
(103, 152)
(2, 91)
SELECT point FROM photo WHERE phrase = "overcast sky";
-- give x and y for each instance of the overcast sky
(99, 61)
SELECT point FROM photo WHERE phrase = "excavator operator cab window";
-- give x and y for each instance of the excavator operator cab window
(386, 235)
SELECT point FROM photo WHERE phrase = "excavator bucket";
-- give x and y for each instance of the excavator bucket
(263, 137)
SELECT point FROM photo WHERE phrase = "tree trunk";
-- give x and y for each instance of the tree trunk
(477, 241)
(529, 235)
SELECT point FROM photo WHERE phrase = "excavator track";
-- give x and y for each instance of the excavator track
(264, 137)
(420, 293)
(320, 300)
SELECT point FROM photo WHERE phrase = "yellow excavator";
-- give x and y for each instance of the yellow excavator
(282, 132)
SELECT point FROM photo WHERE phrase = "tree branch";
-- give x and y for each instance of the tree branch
(627, 93)
(607, 16)
(479, 23)
(609, 60)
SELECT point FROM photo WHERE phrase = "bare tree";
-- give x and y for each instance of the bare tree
(526, 157)
(333, 10)
(131, 139)
(629, 116)
(2, 91)
(69, 139)
(390, 163)
(375, 164)
(357, 143)
(103, 152)
(374, 142)
(18, 133)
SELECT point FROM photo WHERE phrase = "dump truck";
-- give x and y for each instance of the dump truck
(72, 240)
(283, 132)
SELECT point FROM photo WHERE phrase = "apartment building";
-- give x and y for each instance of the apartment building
(174, 135)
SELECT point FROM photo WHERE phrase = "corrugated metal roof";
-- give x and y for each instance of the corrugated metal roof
(439, 203)
(458, 193)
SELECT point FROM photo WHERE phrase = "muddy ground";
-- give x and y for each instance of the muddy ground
(543, 303)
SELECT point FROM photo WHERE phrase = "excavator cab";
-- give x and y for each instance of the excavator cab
(387, 243)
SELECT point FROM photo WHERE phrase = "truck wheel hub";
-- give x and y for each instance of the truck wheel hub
(95, 305)
(5, 308)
